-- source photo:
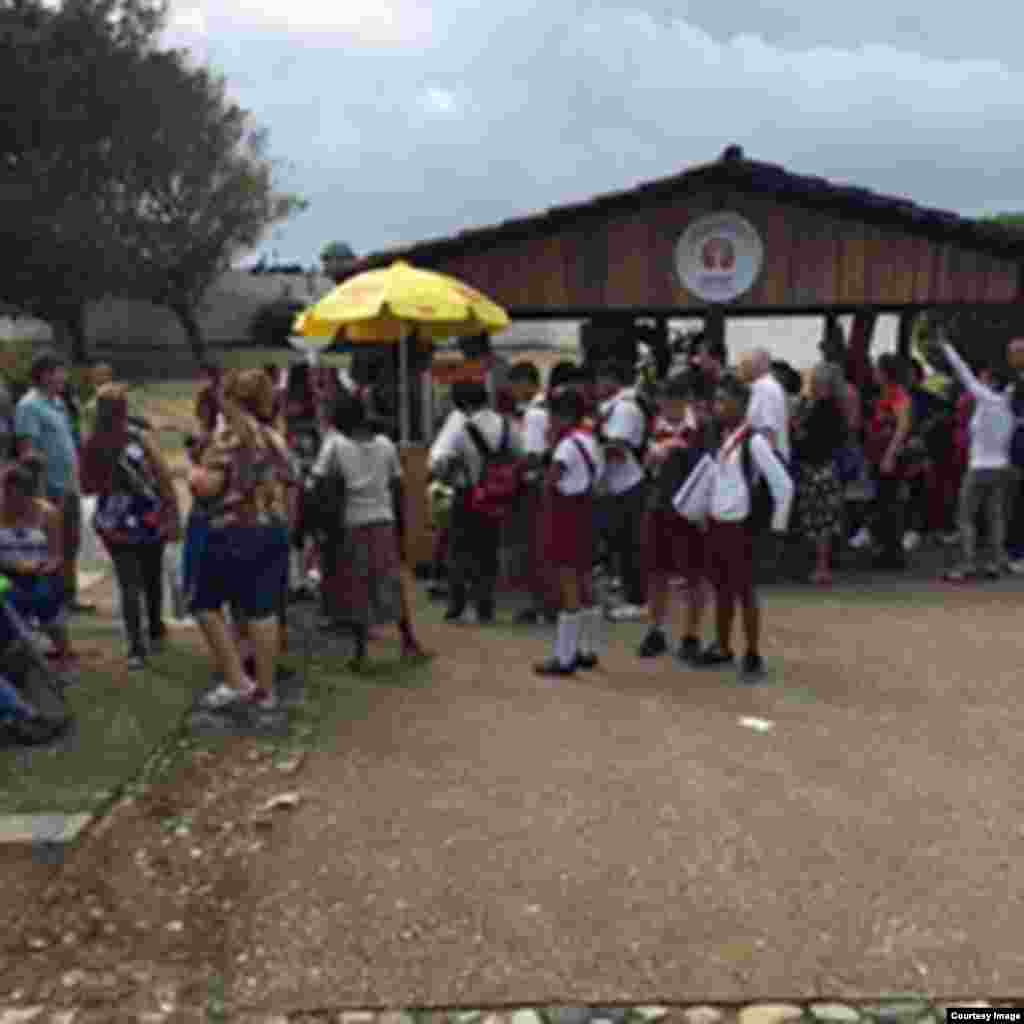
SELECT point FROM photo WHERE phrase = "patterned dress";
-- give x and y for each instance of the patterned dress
(821, 434)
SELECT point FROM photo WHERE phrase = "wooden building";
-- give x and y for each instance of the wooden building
(731, 238)
(826, 249)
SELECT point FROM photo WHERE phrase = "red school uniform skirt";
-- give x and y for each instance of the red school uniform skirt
(676, 546)
(568, 530)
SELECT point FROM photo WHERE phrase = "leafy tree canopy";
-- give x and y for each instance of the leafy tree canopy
(134, 173)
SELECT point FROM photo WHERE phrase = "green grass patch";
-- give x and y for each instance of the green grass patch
(335, 695)
(121, 719)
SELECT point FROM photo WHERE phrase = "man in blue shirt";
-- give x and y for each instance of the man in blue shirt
(42, 428)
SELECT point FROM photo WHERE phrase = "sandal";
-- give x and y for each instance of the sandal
(960, 576)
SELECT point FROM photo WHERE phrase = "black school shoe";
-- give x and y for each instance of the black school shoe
(752, 669)
(714, 657)
(553, 667)
(587, 661)
(654, 644)
(689, 650)
(530, 617)
(454, 612)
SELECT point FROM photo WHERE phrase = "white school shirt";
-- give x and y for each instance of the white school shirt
(535, 427)
(442, 446)
(730, 496)
(577, 479)
(992, 424)
(769, 411)
(456, 442)
(626, 424)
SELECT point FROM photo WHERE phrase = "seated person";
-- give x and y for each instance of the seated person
(31, 557)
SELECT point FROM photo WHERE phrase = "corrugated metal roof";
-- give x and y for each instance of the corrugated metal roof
(735, 171)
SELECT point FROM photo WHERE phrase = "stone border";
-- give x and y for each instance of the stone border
(895, 1009)
(42, 828)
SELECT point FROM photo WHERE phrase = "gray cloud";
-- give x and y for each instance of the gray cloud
(986, 29)
(553, 102)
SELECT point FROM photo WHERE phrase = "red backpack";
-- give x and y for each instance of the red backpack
(501, 480)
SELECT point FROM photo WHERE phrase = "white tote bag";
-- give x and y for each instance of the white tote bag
(693, 499)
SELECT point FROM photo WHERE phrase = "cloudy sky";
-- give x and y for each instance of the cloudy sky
(407, 119)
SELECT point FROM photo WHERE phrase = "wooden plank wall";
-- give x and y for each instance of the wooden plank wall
(626, 259)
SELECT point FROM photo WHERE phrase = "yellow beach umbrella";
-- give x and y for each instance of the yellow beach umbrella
(385, 305)
(392, 303)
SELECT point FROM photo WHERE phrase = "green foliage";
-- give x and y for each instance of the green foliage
(335, 255)
(272, 323)
(1009, 220)
(16, 358)
(146, 193)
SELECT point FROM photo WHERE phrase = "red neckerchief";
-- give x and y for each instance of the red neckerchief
(733, 442)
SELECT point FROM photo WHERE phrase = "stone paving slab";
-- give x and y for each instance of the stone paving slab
(41, 828)
(902, 1009)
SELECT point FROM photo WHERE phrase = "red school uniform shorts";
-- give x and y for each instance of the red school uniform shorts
(730, 556)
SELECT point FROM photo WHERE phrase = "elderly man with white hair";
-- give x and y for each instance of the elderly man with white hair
(768, 412)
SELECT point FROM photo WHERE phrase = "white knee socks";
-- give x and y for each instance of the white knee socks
(590, 632)
(567, 637)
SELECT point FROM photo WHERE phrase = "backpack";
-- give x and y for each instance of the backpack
(650, 415)
(762, 504)
(500, 482)
(1017, 437)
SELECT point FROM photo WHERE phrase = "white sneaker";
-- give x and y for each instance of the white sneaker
(627, 613)
(226, 696)
(1016, 566)
(911, 540)
(861, 539)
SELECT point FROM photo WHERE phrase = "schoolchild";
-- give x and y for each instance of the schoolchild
(676, 546)
(537, 451)
(730, 530)
(576, 467)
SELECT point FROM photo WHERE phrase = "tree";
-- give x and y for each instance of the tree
(147, 194)
(200, 191)
(65, 114)
(335, 256)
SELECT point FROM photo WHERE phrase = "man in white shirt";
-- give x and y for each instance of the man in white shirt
(624, 432)
(988, 476)
(473, 539)
(768, 412)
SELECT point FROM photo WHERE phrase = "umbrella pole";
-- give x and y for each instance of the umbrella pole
(403, 386)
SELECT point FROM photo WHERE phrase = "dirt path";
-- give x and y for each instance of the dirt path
(491, 837)
(620, 836)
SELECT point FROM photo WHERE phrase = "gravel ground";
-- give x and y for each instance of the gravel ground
(621, 836)
(492, 838)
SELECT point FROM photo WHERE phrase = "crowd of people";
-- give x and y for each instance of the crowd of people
(597, 481)
(642, 485)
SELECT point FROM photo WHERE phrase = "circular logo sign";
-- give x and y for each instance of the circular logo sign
(719, 257)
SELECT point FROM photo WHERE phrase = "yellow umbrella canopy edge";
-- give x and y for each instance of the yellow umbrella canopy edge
(380, 305)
